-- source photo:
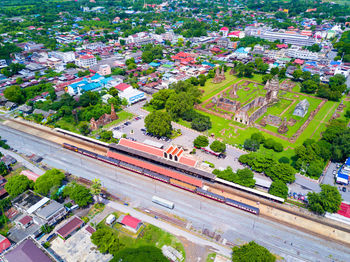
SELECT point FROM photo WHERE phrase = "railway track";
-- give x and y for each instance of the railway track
(322, 227)
(53, 136)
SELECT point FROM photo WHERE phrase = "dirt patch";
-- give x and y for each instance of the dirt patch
(194, 252)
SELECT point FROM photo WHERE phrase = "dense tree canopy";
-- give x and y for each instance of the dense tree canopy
(18, 184)
(270, 166)
(218, 147)
(279, 188)
(106, 240)
(251, 252)
(244, 177)
(328, 200)
(158, 123)
(51, 178)
(140, 254)
(78, 193)
(201, 141)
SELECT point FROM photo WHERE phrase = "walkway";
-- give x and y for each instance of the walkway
(25, 162)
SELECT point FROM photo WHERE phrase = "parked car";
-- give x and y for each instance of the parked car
(344, 189)
(143, 130)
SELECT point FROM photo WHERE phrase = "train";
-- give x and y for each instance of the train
(194, 186)
(194, 174)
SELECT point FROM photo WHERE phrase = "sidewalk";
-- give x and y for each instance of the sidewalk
(25, 162)
(170, 228)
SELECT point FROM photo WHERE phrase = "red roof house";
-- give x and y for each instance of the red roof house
(25, 221)
(30, 175)
(132, 223)
(66, 230)
(299, 61)
(4, 243)
(122, 86)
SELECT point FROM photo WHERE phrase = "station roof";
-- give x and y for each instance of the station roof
(155, 168)
(184, 163)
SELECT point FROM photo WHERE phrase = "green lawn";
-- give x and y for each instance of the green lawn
(210, 89)
(123, 115)
(151, 235)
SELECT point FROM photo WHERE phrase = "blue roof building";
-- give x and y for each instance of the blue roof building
(94, 83)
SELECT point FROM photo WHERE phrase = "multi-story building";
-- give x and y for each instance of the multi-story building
(287, 37)
(86, 61)
(65, 57)
(302, 54)
(104, 70)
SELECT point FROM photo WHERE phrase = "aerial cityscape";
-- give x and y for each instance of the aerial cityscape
(183, 131)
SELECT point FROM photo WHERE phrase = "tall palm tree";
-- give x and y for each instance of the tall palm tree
(96, 188)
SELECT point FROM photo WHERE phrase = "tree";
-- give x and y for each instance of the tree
(106, 240)
(347, 113)
(14, 94)
(281, 171)
(274, 71)
(158, 123)
(284, 159)
(96, 188)
(89, 98)
(278, 147)
(84, 128)
(78, 193)
(309, 86)
(48, 180)
(159, 99)
(218, 146)
(258, 137)
(201, 123)
(147, 56)
(3, 168)
(140, 254)
(202, 79)
(71, 65)
(106, 135)
(251, 252)
(251, 144)
(279, 188)
(201, 141)
(178, 104)
(314, 48)
(18, 184)
(297, 74)
(328, 200)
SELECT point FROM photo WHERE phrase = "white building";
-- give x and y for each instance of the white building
(131, 94)
(104, 70)
(86, 61)
(302, 54)
(65, 57)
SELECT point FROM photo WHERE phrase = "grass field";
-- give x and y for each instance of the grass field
(151, 235)
(235, 133)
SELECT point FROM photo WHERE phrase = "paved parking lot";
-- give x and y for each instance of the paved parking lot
(133, 130)
(329, 179)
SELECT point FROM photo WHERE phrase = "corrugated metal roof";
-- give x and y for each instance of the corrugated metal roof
(69, 227)
(162, 160)
(141, 147)
(154, 168)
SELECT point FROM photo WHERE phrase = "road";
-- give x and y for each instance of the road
(25, 162)
(233, 224)
(171, 229)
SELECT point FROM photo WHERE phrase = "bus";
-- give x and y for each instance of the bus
(163, 202)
